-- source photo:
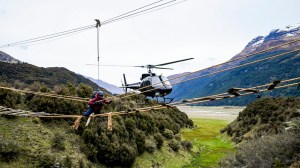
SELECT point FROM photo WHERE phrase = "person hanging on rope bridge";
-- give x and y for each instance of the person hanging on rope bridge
(96, 103)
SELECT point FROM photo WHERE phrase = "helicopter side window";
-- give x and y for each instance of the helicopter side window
(147, 83)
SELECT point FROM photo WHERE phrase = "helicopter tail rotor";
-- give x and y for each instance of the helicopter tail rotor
(125, 83)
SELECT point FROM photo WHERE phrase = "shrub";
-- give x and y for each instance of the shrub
(9, 150)
(177, 137)
(159, 140)
(140, 141)
(150, 146)
(187, 145)
(68, 162)
(174, 145)
(127, 155)
(269, 151)
(168, 134)
(36, 120)
(58, 142)
(47, 161)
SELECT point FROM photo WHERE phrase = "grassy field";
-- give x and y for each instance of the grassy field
(209, 145)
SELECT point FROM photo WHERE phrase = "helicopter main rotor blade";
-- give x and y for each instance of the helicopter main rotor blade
(163, 68)
(116, 65)
(173, 62)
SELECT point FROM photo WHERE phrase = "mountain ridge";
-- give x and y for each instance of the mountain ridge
(4, 57)
(261, 73)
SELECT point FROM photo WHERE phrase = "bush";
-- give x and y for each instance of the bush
(269, 151)
(36, 120)
(140, 141)
(168, 134)
(68, 162)
(159, 140)
(150, 146)
(58, 142)
(9, 150)
(187, 145)
(174, 145)
(177, 137)
(127, 155)
(47, 161)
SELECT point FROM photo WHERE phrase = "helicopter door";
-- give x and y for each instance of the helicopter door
(165, 82)
(161, 82)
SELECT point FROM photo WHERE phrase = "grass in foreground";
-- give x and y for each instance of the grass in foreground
(209, 145)
(34, 142)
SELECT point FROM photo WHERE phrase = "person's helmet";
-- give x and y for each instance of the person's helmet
(100, 94)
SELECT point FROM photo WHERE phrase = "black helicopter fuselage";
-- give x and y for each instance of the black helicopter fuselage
(155, 86)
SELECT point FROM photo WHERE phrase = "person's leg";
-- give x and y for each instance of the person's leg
(88, 112)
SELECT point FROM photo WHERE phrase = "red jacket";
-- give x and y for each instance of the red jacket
(97, 103)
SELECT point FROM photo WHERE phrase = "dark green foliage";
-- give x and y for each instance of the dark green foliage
(29, 74)
(9, 150)
(133, 133)
(270, 130)
(117, 148)
(177, 137)
(81, 164)
(187, 145)
(174, 145)
(68, 162)
(58, 142)
(84, 90)
(279, 150)
(168, 134)
(150, 146)
(265, 116)
(159, 140)
(47, 161)
(140, 141)
(10, 99)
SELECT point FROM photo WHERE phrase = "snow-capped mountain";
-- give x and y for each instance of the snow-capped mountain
(250, 75)
(275, 37)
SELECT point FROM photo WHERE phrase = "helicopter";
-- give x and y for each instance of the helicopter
(152, 85)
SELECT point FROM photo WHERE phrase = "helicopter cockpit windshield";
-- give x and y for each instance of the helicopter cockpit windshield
(161, 82)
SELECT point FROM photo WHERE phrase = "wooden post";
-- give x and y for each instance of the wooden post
(109, 122)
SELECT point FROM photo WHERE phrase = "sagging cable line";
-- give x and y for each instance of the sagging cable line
(171, 105)
(200, 100)
(223, 70)
(227, 62)
(124, 14)
(240, 92)
(86, 99)
(130, 14)
(139, 12)
(46, 37)
(153, 10)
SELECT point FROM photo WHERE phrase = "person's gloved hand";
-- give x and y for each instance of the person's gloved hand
(97, 102)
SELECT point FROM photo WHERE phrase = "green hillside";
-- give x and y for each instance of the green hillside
(28, 74)
(267, 133)
(51, 142)
(252, 75)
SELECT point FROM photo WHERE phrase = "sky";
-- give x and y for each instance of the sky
(211, 31)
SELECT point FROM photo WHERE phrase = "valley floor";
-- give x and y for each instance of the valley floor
(228, 113)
